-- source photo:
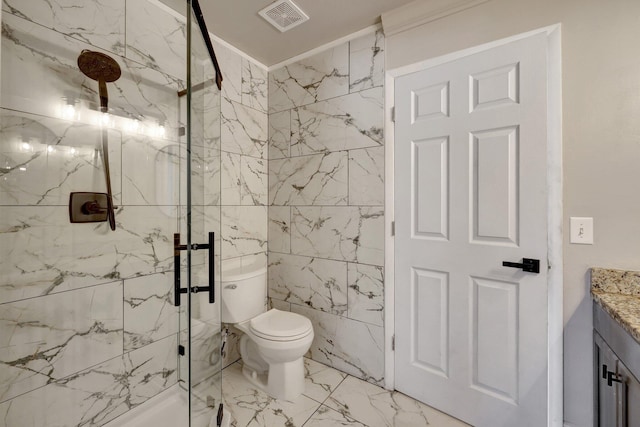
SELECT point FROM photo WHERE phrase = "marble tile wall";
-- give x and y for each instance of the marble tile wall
(301, 163)
(244, 164)
(326, 201)
(244, 172)
(91, 325)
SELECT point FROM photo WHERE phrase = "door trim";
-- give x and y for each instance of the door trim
(554, 210)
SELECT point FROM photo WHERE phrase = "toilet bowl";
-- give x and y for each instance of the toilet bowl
(272, 348)
(273, 342)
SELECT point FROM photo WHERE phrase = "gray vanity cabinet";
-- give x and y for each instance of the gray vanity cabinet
(617, 389)
(631, 397)
(607, 394)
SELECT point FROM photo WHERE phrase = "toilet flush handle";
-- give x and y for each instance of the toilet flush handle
(231, 286)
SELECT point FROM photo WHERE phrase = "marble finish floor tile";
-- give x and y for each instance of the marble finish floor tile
(374, 406)
(321, 380)
(251, 407)
(331, 398)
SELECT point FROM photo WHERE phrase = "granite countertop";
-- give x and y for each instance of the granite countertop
(618, 293)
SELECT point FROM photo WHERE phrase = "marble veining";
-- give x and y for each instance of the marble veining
(325, 417)
(342, 123)
(201, 160)
(156, 38)
(317, 283)
(366, 177)
(618, 293)
(348, 345)
(279, 304)
(43, 77)
(322, 76)
(331, 398)
(280, 229)
(341, 233)
(149, 313)
(366, 61)
(91, 328)
(374, 406)
(212, 171)
(231, 179)
(320, 380)
(244, 130)
(80, 254)
(253, 185)
(98, 394)
(254, 86)
(41, 343)
(326, 195)
(205, 116)
(251, 407)
(43, 159)
(244, 230)
(150, 370)
(310, 180)
(279, 134)
(90, 397)
(99, 23)
(231, 64)
(365, 293)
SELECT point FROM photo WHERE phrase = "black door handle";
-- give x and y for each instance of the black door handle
(529, 265)
(610, 376)
(178, 289)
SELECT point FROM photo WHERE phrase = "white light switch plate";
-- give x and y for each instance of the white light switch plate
(581, 230)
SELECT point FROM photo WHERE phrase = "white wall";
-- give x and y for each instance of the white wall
(601, 137)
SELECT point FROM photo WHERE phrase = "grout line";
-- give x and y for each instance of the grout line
(327, 259)
(319, 101)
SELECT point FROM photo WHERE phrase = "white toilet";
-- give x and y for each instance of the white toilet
(274, 341)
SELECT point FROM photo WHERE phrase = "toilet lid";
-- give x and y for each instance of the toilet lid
(280, 325)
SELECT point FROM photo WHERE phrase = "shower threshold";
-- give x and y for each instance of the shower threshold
(167, 409)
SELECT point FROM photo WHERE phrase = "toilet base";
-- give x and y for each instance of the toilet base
(283, 381)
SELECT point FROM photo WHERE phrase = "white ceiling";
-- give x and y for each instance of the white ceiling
(238, 23)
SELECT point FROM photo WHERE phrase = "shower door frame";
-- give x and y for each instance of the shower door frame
(195, 65)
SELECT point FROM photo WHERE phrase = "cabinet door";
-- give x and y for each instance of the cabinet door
(629, 397)
(606, 396)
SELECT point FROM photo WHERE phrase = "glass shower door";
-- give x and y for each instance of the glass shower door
(202, 209)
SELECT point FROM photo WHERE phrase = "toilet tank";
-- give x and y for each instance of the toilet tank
(244, 291)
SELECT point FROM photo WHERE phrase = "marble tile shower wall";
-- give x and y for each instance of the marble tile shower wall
(88, 326)
(326, 201)
(89, 329)
(244, 173)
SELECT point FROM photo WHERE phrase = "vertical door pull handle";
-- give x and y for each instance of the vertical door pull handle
(177, 288)
(212, 269)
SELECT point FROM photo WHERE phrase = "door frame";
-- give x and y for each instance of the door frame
(554, 209)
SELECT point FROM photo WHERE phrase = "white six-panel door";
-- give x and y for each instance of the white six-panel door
(471, 192)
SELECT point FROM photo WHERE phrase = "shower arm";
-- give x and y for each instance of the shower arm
(104, 108)
(111, 216)
(103, 69)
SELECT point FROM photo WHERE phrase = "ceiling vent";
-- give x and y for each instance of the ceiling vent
(284, 15)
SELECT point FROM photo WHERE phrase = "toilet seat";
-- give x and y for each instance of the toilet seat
(276, 325)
